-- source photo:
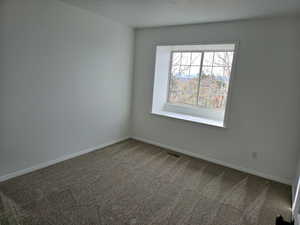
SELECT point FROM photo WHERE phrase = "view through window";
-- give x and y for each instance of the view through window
(200, 78)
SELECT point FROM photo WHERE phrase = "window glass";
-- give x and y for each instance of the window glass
(176, 57)
(194, 71)
(186, 58)
(208, 90)
(208, 59)
(196, 59)
(184, 78)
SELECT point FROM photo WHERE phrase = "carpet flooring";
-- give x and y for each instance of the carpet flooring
(133, 183)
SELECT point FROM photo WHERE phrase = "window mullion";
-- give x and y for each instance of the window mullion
(170, 76)
(190, 63)
(200, 72)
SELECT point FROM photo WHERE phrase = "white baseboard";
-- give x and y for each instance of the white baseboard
(192, 154)
(199, 156)
(60, 159)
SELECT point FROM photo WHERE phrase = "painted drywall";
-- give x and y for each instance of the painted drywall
(141, 13)
(65, 82)
(265, 107)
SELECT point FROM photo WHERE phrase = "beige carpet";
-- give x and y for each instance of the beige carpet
(134, 183)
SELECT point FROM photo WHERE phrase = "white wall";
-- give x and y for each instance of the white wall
(65, 86)
(265, 106)
(65, 81)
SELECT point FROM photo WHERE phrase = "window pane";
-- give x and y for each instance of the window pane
(229, 56)
(208, 58)
(176, 58)
(184, 85)
(223, 58)
(218, 72)
(184, 71)
(213, 88)
(219, 59)
(194, 71)
(175, 70)
(206, 71)
(214, 79)
(196, 58)
(227, 72)
(186, 58)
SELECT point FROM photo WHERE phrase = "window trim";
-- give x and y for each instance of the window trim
(190, 110)
(191, 118)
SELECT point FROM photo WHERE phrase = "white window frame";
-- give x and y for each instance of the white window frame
(193, 113)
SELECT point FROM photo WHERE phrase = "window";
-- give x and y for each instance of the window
(184, 77)
(208, 90)
(195, 80)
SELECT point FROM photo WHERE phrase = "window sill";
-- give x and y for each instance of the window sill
(190, 118)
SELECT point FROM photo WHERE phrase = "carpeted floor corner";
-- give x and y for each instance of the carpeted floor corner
(133, 183)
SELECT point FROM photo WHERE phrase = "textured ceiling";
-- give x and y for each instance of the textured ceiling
(145, 13)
